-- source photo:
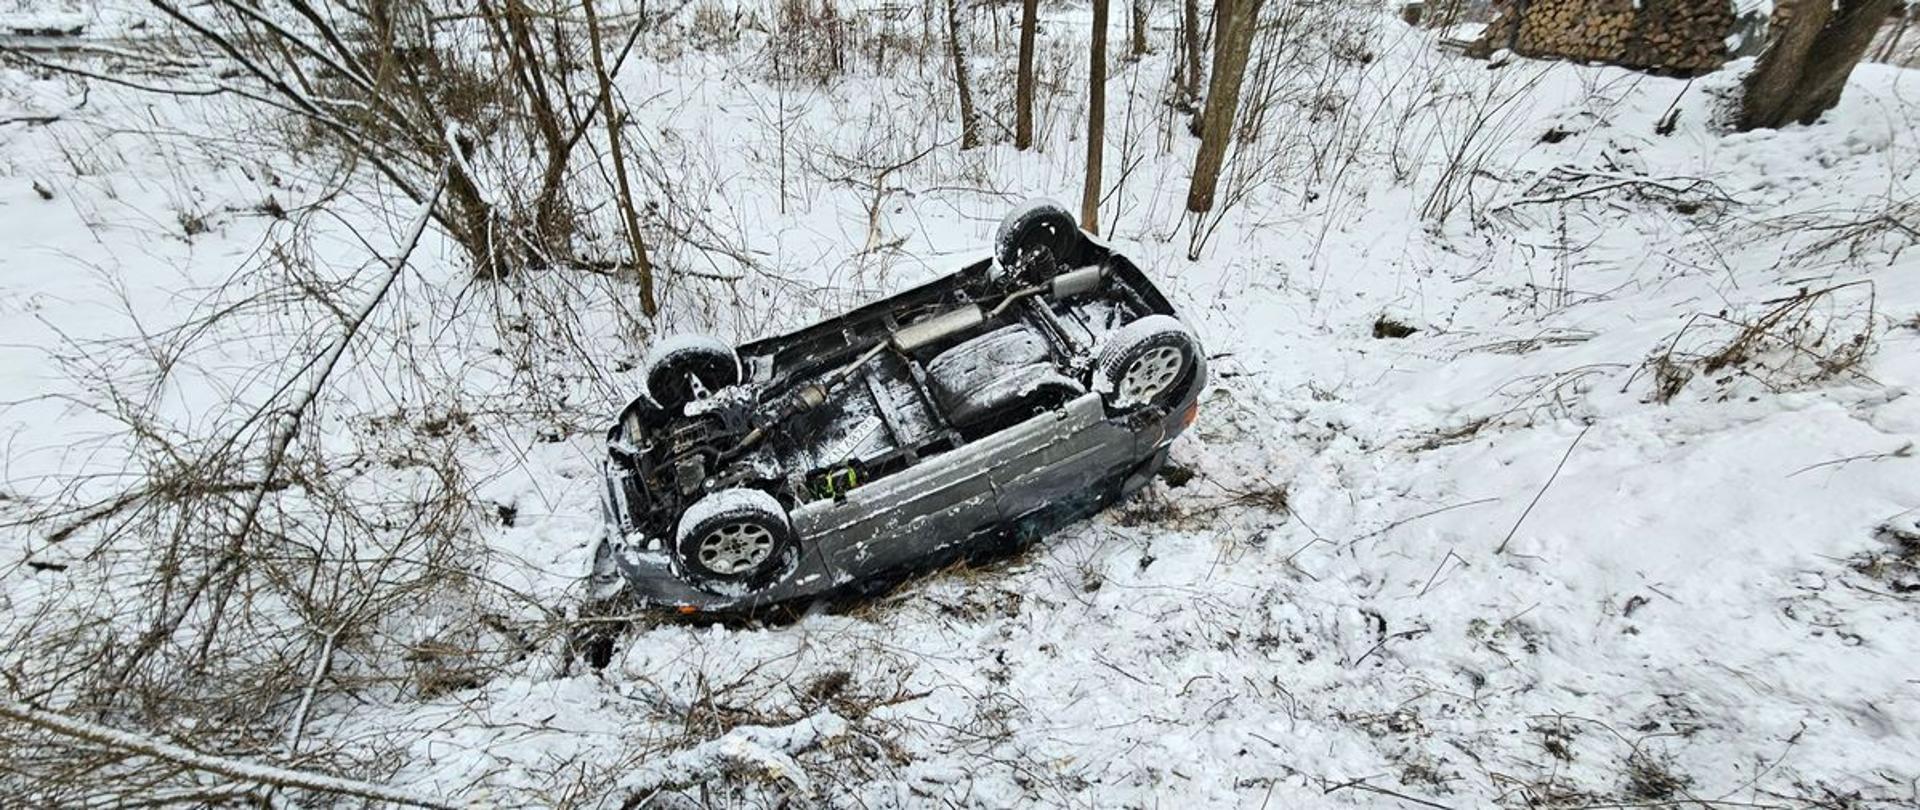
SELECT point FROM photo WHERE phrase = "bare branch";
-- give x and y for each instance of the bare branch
(194, 760)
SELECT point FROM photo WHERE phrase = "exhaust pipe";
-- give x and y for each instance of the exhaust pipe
(1078, 282)
(947, 324)
(939, 327)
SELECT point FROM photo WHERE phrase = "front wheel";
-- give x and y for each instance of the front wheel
(732, 540)
(684, 368)
(1036, 228)
(1147, 362)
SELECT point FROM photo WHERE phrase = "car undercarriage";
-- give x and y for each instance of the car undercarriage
(805, 462)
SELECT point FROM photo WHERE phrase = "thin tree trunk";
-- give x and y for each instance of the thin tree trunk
(1233, 40)
(550, 208)
(1096, 120)
(1190, 25)
(1222, 24)
(963, 84)
(642, 266)
(1806, 65)
(1844, 43)
(1138, 28)
(1023, 84)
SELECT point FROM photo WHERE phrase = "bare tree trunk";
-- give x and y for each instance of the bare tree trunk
(1190, 34)
(1096, 120)
(1023, 85)
(1222, 24)
(642, 267)
(963, 83)
(510, 29)
(1806, 65)
(1233, 40)
(1138, 27)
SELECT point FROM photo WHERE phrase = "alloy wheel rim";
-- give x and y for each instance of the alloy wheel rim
(1150, 375)
(735, 548)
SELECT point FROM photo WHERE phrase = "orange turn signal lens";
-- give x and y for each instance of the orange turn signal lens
(1193, 412)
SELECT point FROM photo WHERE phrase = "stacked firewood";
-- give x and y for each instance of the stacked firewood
(1681, 37)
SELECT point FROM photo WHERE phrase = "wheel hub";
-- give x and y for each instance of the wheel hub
(1150, 375)
(735, 548)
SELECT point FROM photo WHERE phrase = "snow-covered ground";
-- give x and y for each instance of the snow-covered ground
(1631, 516)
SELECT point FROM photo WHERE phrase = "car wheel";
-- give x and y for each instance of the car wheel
(1147, 362)
(684, 368)
(733, 539)
(1035, 225)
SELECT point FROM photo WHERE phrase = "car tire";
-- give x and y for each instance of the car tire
(1145, 363)
(684, 368)
(1034, 225)
(732, 541)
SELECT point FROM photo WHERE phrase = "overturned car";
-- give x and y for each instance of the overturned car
(977, 411)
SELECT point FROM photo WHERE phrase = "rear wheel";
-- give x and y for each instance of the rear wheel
(1036, 226)
(734, 538)
(684, 368)
(1147, 362)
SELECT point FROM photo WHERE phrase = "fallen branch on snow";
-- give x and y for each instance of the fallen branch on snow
(1543, 490)
(237, 769)
(766, 750)
(1566, 184)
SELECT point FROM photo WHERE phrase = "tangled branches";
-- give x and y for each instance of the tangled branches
(1801, 339)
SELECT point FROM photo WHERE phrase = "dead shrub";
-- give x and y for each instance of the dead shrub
(248, 563)
(808, 42)
(1524, 401)
(1388, 327)
(715, 26)
(1687, 196)
(1889, 231)
(1895, 565)
(1652, 781)
(479, 108)
(1799, 341)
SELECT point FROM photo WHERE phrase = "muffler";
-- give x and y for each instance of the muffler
(937, 328)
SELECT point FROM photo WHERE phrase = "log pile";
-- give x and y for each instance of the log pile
(1669, 37)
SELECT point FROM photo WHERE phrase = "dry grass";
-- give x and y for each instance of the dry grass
(1799, 341)
(1894, 567)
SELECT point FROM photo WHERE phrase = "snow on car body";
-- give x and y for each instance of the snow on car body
(983, 408)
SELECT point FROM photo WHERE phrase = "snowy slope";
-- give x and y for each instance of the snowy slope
(1556, 546)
